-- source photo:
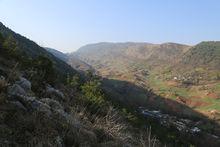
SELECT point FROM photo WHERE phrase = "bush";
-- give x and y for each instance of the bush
(73, 81)
(40, 72)
(92, 91)
(45, 69)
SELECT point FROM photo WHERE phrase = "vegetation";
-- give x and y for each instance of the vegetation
(73, 81)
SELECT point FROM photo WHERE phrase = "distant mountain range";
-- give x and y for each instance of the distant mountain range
(71, 59)
(176, 57)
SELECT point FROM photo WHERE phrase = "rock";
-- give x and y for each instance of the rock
(24, 83)
(52, 103)
(31, 103)
(54, 93)
(16, 90)
(2, 77)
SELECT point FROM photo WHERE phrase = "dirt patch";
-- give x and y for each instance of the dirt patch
(195, 97)
(192, 103)
(172, 83)
(213, 95)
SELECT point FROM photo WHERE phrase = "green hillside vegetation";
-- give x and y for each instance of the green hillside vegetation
(205, 54)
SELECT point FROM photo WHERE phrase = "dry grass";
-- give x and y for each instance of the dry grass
(112, 124)
(146, 139)
(112, 127)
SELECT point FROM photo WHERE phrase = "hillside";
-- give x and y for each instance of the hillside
(29, 49)
(134, 51)
(72, 60)
(57, 54)
(124, 59)
(204, 54)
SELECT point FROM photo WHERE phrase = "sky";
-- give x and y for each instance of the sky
(66, 25)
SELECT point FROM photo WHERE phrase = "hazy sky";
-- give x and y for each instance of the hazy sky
(68, 24)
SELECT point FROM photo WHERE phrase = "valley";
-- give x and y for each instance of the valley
(158, 68)
(187, 94)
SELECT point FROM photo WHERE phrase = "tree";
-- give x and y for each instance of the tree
(45, 69)
(93, 92)
(73, 81)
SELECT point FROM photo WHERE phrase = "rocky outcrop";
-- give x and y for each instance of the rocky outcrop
(21, 87)
(15, 90)
(52, 113)
(55, 105)
(24, 83)
(54, 93)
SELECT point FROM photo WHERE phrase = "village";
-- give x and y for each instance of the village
(183, 125)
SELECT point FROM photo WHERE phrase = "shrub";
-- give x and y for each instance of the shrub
(73, 81)
(92, 92)
(45, 69)
(41, 71)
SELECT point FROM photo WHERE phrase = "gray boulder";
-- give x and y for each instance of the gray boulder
(54, 93)
(55, 105)
(15, 90)
(24, 83)
(31, 103)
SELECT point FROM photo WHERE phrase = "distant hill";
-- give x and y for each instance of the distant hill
(71, 59)
(135, 51)
(205, 54)
(118, 58)
(78, 64)
(58, 54)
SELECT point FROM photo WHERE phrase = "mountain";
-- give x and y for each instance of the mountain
(143, 51)
(78, 64)
(72, 60)
(204, 54)
(121, 57)
(58, 54)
